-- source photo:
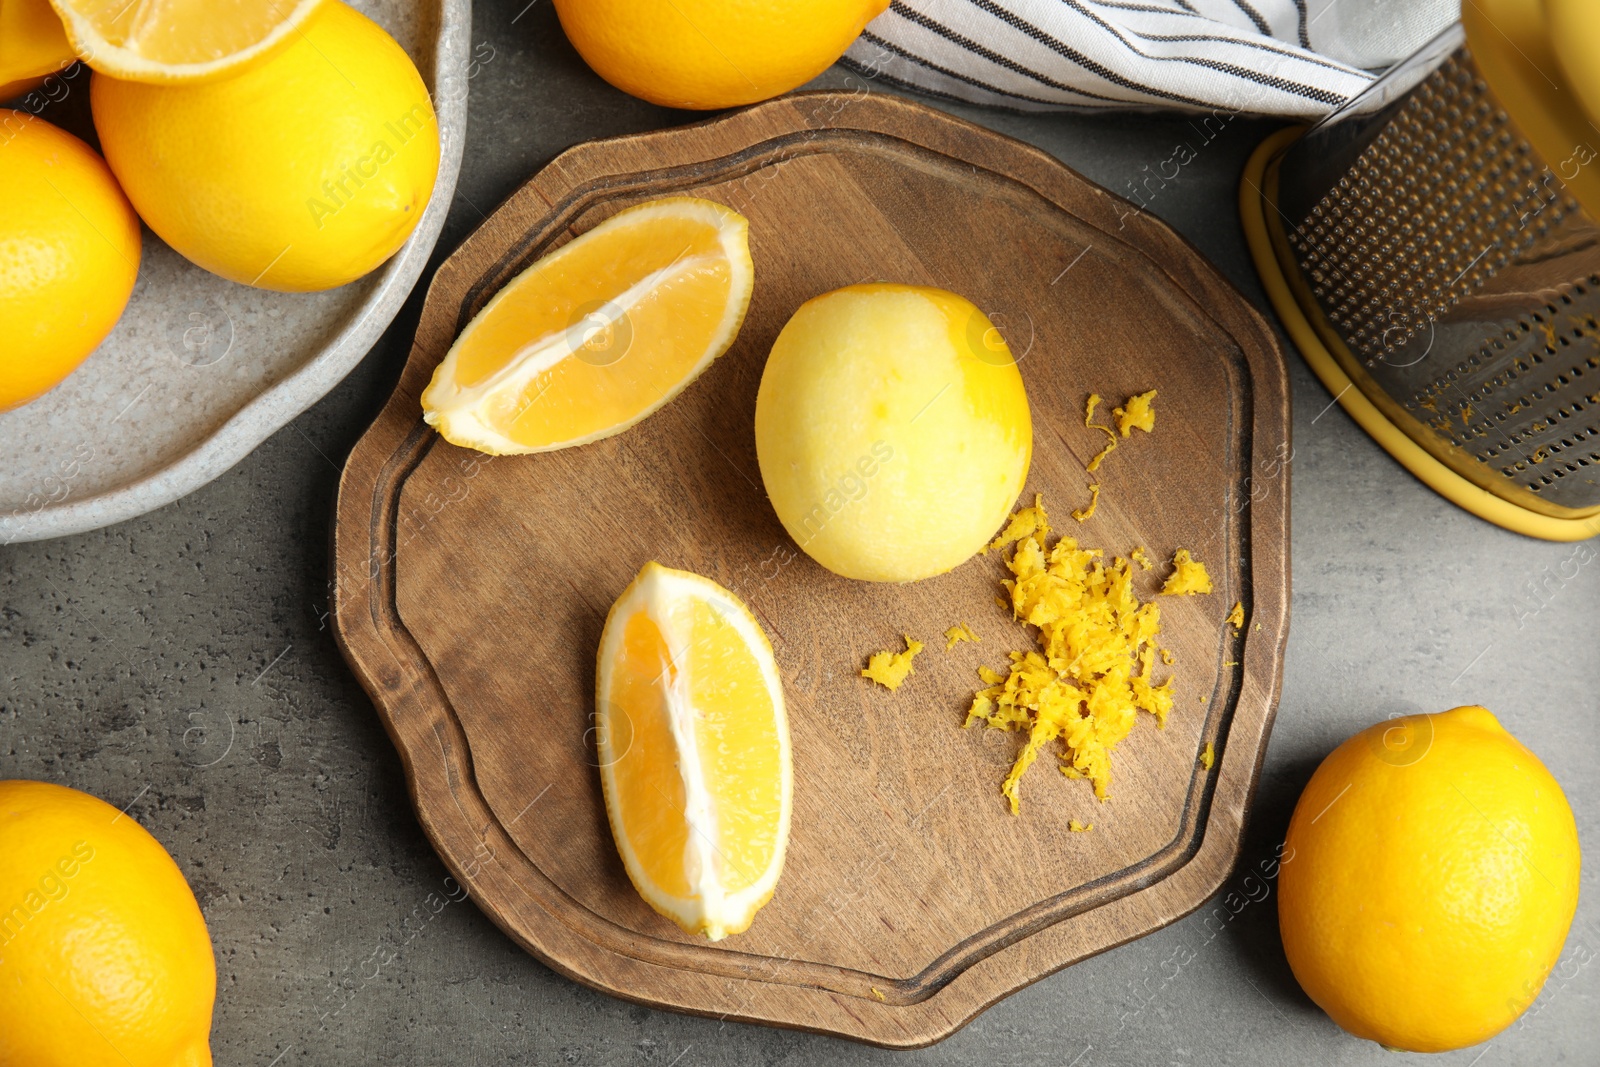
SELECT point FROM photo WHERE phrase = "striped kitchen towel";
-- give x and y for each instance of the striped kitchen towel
(1296, 58)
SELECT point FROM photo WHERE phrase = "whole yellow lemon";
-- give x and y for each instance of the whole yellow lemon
(1430, 876)
(104, 956)
(303, 173)
(69, 255)
(893, 431)
(712, 53)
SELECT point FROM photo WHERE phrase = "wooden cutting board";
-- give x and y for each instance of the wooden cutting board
(470, 592)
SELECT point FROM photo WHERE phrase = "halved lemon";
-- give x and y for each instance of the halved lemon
(32, 45)
(598, 334)
(693, 745)
(179, 40)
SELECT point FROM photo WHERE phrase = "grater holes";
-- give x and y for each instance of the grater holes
(1443, 198)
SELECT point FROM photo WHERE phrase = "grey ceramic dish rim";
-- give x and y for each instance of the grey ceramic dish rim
(278, 405)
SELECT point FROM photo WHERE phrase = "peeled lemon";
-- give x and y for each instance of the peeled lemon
(69, 255)
(711, 53)
(104, 956)
(305, 172)
(893, 431)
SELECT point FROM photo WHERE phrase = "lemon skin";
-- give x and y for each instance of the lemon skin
(892, 430)
(1429, 879)
(69, 255)
(303, 173)
(104, 956)
(33, 45)
(712, 53)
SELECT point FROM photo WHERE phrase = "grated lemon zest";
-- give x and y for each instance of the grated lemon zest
(1189, 576)
(1025, 523)
(1090, 675)
(1088, 420)
(889, 669)
(960, 632)
(1084, 514)
(1136, 413)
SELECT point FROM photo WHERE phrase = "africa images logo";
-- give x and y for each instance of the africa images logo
(52, 887)
(339, 191)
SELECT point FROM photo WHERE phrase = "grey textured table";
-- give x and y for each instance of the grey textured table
(181, 664)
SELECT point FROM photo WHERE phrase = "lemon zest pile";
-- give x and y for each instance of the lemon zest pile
(889, 669)
(1136, 412)
(1208, 757)
(1022, 525)
(1138, 556)
(1088, 420)
(1079, 828)
(1091, 674)
(1236, 616)
(961, 632)
(1084, 514)
(1189, 576)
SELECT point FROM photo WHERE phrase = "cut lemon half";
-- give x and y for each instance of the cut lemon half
(179, 40)
(693, 745)
(598, 334)
(32, 45)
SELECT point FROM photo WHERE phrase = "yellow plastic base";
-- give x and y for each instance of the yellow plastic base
(1254, 204)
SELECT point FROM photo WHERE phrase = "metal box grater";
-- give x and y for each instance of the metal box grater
(1455, 281)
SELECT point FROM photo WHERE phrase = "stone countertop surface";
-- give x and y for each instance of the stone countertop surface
(181, 664)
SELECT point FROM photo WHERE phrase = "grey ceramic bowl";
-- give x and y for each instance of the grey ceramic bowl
(201, 370)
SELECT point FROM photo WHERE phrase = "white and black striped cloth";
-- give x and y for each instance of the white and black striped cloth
(1299, 58)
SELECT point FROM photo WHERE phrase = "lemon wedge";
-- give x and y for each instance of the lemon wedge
(693, 746)
(598, 334)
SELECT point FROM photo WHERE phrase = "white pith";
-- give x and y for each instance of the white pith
(460, 413)
(712, 910)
